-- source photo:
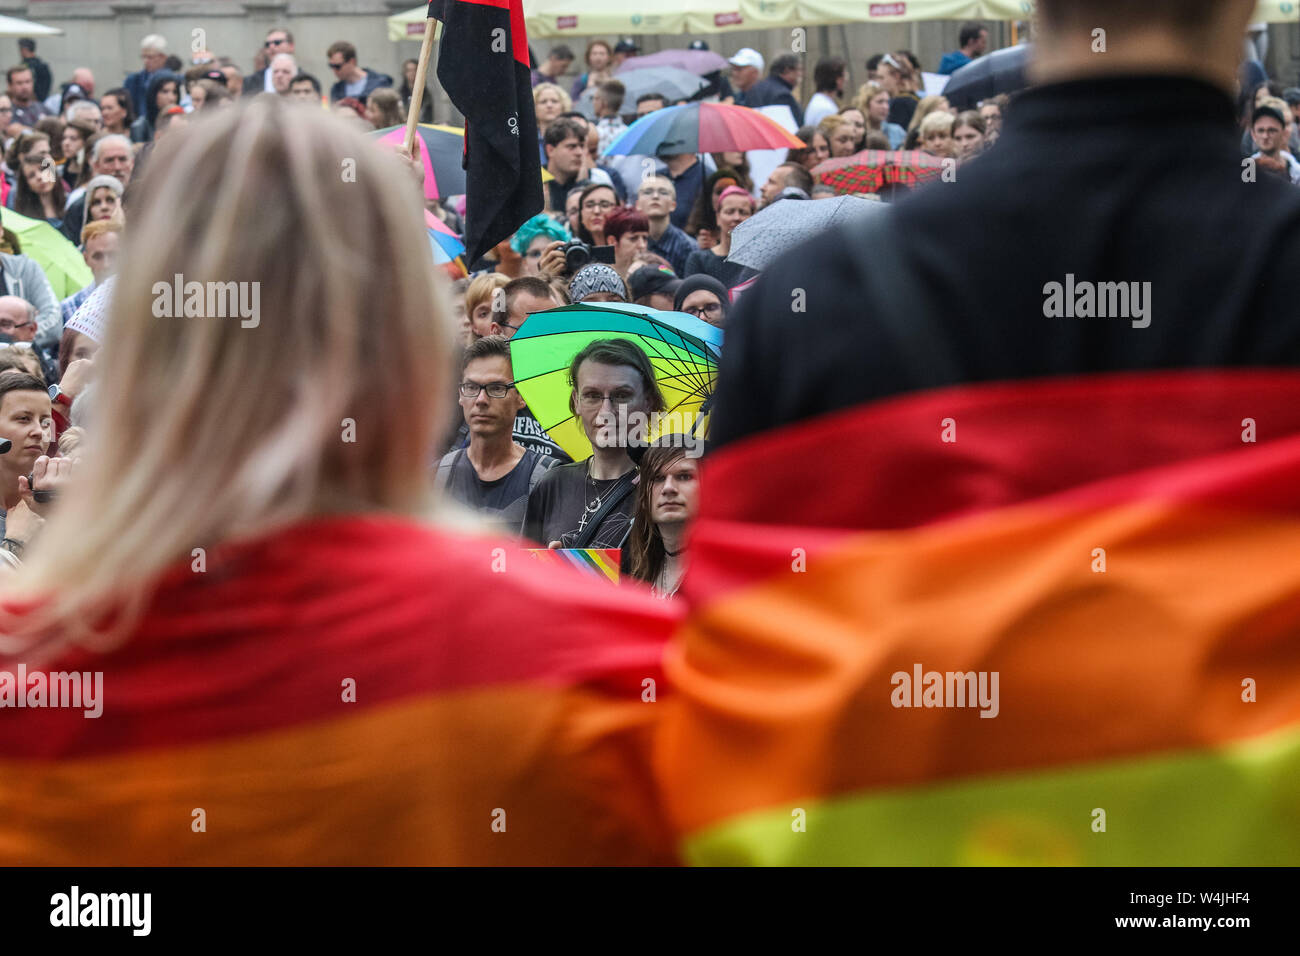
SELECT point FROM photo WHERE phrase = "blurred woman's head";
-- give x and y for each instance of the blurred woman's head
(103, 198)
(280, 411)
(384, 108)
(968, 132)
(549, 101)
(841, 135)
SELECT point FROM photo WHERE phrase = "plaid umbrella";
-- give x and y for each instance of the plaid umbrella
(872, 169)
(772, 232)
(701, 128)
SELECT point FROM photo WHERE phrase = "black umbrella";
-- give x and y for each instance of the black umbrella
(1000, 72)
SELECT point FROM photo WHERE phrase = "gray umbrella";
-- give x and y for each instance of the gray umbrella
(772, 232)
(999, 72)
(674, 83)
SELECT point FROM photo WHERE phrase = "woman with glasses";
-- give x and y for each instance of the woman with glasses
(595, 202)
(703, 297)
(38, 191)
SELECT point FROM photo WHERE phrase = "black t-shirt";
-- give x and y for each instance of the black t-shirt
(501, 500)
(557, 504)
(532, 436)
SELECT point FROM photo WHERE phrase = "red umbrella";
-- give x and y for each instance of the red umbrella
(872, 169)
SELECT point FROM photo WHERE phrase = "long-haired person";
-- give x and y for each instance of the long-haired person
(285, 641)
(38, 191)
(873, 101)
(384, 108)
(667, 501)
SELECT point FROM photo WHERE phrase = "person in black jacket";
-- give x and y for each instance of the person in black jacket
(778, 89)
(41, 78)
(1066, 196)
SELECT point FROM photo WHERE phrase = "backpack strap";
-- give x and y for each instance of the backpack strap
(445, 466)
(615, 498)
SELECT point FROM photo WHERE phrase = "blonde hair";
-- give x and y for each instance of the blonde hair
(565, 98)
(936, 122)
(481, 289)
(924, 109)
(208, 431)
(830, 124)
(866, 93)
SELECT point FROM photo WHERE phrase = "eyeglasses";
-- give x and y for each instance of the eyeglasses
(700, 311)
(339, 65)
(602, 206)
(623, 396)
(493, 389)
(277, 42)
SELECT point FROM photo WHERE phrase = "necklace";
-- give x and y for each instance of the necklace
(594, 505)
(673, 554)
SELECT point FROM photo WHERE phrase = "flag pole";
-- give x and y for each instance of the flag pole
(417, 94)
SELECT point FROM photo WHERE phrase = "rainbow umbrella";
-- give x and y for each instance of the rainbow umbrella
(872, 169)
(446, 244)
(441, 149)
(701, 128)
(682, 349)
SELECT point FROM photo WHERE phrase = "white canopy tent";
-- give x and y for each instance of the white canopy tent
(568, 18)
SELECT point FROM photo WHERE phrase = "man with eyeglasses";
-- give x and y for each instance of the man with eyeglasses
(657, 198)
(589, 504)
(278, 40)
(353, 80)
(494, 473)
(517, 299)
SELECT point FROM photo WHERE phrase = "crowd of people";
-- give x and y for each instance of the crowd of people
(236, 514)
(652, 231)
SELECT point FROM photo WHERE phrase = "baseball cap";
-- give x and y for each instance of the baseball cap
(626, 45)
(748, 56)
(1267, 111)
(650, 279)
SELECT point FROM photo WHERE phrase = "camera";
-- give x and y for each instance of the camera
(578, 254)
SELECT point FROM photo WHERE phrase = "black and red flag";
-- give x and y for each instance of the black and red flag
(483, 65)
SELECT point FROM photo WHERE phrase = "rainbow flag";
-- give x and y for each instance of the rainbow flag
(352, 691)
(597, 563)
(1046, 622)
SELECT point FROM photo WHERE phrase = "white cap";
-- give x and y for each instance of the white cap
(748, 57)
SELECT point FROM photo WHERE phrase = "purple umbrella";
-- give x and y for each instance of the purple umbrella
(698, 62)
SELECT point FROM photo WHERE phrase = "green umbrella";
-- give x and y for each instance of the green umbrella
(682, 349)
(50, 249)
